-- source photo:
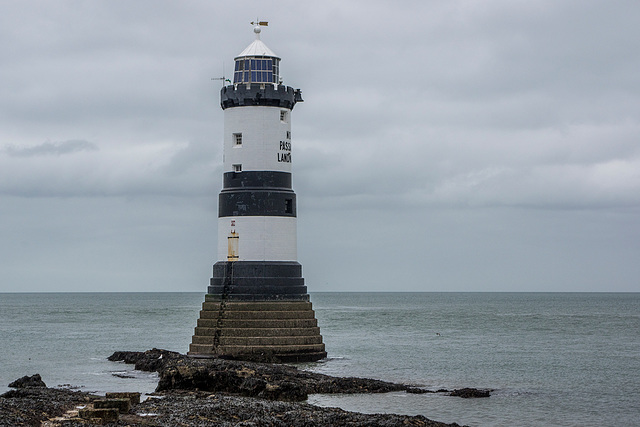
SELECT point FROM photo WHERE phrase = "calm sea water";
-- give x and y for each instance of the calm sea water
(552, 359)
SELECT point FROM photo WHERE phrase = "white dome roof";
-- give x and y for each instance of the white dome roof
(257, 48)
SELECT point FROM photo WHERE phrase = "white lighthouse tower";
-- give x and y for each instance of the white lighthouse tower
(257, 306)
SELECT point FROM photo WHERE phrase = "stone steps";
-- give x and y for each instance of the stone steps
(307, 314)
(258, 332)
(257, 323)
(273, 349)
(226, 340)
(280, 330)
(234, 350)
(212, 304)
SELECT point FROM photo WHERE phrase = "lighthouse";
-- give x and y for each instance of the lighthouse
(257, 306)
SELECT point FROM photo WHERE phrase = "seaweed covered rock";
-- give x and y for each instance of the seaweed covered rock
(32, 406)
(29, 406)
(270, 381)
(253, 379)
(28, 381)
(468, 393)
(152, 360)
(178, 407)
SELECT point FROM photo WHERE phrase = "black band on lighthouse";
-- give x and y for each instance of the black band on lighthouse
(259, 94)
(257, 179)
(257, 203)
(259, 269)
(258, 281)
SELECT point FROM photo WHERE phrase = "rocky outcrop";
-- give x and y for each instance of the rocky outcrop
(468, 393)
(30, 406)
(37, 406)
(205, 409)
(152, 360)
(197, 392)
(28, 381)
(252, 379)
(276, 382)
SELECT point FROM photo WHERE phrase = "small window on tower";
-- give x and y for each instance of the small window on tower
(283, 116)
(288, 206)
(237, 168)
(288, 134)
(237, 138)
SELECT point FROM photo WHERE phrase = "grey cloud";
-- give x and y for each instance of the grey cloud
(433, 116)
(51, 148)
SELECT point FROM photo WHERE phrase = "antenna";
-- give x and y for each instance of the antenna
(223, 79)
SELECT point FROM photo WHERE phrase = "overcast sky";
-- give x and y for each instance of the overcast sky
(449, 145)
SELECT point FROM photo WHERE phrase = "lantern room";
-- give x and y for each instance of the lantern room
(257, 63)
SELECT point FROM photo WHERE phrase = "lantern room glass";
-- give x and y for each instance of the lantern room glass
(256, 70)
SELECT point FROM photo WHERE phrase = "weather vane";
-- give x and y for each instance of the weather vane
(257, 24)
(261, 23)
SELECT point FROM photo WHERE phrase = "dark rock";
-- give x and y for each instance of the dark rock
(253, 379)
(184, 408)
(28, 381)
(285, 391)
(186, 385)
(31, 405)
(119, 375)
(468, 393)
(318, 383)
(150, 361)
(129, 357)
(415, 390)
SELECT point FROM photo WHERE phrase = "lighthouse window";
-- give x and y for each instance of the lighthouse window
(288, 134)
(283, 116)
(237, 168)
(237, 138)
(288, 206)
(256, 71)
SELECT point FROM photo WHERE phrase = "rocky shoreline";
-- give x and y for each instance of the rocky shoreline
(202, 392)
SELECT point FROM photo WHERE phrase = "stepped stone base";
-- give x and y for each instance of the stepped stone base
(268, 331)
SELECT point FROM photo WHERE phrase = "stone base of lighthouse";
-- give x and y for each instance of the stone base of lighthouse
(258, 311)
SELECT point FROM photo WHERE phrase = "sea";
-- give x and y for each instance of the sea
(551, 359)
